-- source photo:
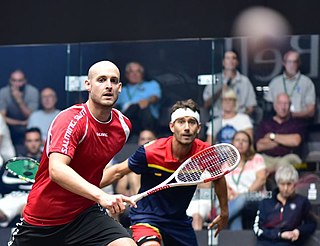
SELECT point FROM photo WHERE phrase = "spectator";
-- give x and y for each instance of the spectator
(297, 86)
(16, 191)
(280, 137)
(230, 78)
(248, 177)
(6, 147)
(42, 118)
(285, 218)
(246, 181)
(139, 99)
(231, 121)
(17, 101)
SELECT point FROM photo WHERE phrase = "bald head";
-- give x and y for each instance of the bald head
(283, 97)
(282, 105)
(102, 66)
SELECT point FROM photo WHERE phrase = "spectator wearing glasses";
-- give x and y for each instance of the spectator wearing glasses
(297, 86)
(139, 99)
(17, 101)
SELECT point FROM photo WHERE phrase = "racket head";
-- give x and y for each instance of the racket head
(209, 164)
(24, 168)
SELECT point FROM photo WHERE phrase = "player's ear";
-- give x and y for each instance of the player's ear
(120, 87)
(171, 127)
(199, 128)
(87, 84)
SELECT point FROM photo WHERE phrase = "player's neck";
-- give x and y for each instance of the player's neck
(99, 112)
(180, 151)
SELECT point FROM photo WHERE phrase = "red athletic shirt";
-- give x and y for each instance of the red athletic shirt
(91, 144)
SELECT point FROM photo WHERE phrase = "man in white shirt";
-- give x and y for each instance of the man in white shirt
(297, 86)
(230, 78)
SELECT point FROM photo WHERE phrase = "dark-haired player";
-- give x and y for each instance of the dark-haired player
(162, 216)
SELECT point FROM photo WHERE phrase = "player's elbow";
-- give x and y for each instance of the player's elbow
(53, 172)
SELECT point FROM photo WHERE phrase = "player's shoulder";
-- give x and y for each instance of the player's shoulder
(157, 144)
(118, 114)
(200, 145)
(121, 118)
(75, 113)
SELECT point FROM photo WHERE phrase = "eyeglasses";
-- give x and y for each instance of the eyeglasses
(17, 80)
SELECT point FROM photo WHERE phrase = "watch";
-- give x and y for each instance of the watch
(272, 136)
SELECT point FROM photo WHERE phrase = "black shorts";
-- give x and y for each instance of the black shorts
(92, 227)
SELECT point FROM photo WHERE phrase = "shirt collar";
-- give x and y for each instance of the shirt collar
(295, 77)
(236, 79)
(169, 156)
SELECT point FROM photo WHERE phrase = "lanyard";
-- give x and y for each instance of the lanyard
(238, 180)
(294, 87)
(133, 93)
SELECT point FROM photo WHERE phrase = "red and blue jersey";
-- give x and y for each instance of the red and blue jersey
(155, 162)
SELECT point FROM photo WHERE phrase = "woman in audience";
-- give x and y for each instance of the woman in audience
(231, 121)
(247, 181)
(244, 183)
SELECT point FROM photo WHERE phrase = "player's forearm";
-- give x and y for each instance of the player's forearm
(220, 188)
(70, 180)
(114, 173)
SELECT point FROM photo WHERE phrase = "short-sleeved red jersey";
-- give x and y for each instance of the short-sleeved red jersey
(91, 144)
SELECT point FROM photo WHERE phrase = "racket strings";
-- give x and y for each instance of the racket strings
(208, 164)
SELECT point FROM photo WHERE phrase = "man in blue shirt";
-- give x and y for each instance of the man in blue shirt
(139, 99)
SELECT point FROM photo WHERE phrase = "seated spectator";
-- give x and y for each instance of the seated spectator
(297, 86)
(246, 181)
(286, 217)
(17, 101)
(231, 121)
(280, 137)
(16, 190)
(6, 147)
(248, 178)
(42, 118)
(139, 99)
(230, 78)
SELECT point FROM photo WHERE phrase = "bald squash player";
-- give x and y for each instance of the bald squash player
(66, 205)
(162, 215)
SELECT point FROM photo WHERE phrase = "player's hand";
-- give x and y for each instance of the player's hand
(116, 203)
(220, 222)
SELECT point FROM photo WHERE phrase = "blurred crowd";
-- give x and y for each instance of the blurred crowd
(271, 143)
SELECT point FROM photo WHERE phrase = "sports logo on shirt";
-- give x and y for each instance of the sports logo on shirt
(102, 134)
